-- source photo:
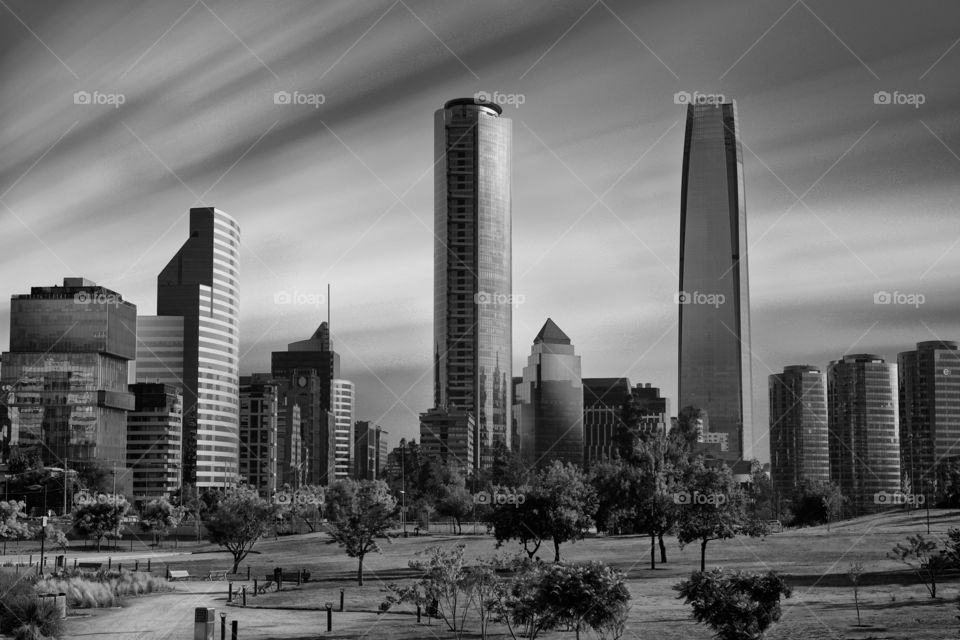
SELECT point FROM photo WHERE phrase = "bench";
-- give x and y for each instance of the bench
(178, 574)
(89, 566)
(262, 587)
(217, 575)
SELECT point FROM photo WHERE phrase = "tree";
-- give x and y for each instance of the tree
(444, 588)
(158, 517)
(507, 468)
(759, 493)
(613, 483)
(94, 476)
(100, 518)
(710, 507)
(238, 522)
(305, 503)
(53, 536)
(583, 595)
(524, 521)
(13, 520)
(737, 606)
(925, 558)
(456, 502)
(855, 572)
(814, 502)
(691, 423)
(570, 503)
(359, 513)
(20, 461)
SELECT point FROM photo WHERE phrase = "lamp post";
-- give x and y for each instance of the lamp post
(403, 511)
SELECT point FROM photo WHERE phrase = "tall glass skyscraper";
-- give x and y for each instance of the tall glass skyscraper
(472, 289)
(929, 411)
(344, 411)
(714, 299)
(551, 400)
(798, 428)
(864, 428)
(201, 285)
(63, 385)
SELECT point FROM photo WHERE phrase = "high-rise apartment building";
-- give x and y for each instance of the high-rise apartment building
(200, 286)
(864, 426)
(472, 288)
(714, 297)
(550, 400)
(448, 436)
(259, 431)
(63, 384)
(369, 448)
(798, 428)
(929, 413)
(155, 440)
(344, 409)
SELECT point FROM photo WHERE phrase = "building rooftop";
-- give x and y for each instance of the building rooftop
(551, 334)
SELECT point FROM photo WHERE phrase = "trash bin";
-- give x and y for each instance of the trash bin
(204, 623)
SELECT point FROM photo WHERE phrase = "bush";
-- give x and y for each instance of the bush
(737, 606)
(105, 590)
(22, 613)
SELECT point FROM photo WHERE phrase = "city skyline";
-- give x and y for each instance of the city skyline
(812, 128)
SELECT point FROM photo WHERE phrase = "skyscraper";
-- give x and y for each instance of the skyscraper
(448, 436)
(714, 299)
(472, 289)
(259, 434)
(200, 284)
(864, 430)
(551, 400)
(64, 381)
(603, 400)
(344, 408)
(929, 411)
(155, 440)
(798, 428)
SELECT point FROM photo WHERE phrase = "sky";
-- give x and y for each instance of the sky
(849, 193)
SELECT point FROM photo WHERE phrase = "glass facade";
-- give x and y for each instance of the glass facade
(864, 429)
(929, 411)
(259, 413)
(64, 380)
(798, 428)
(343, 411)
(155, 440)
(714, 358)
(200, 284)
(472, 268)
(551, 401)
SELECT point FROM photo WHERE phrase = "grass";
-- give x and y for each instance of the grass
(106, 590)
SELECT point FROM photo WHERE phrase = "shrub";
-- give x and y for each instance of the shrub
(105, 590)
(737, 606)
(22, 613)
(925, 558)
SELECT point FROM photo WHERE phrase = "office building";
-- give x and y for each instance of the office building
(472, 288)
(200, 285)
(259, 433)
(155, 440)
(449, 436)
(344, 409)
(550, 401)
(929, 413)
(714, 299)
(604, 402)
(64, 379)
(798, 428)
(864, 426)
(369, 450)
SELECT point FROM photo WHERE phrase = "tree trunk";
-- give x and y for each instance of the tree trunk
(653, 551)
(556, 550)
(236, 564)
(98, 543)
(703, 556)
(663, 549)
(360, 570)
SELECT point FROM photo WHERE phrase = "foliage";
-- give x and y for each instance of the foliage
(738, 605)
(507, 468)
(583, 595)
(98, 519)
(20, 461)
(107, 589)
(443, 588)
(455, 501)
(13, 520)
(238, 521)
(925, 558)
(359, 513)
(53, 536)
(22, 612)
(305, 503)
(759, 494)
(524, 521)
(855, 572)
(712, 508)
(159, 516)
(93, 476)
(814, 502)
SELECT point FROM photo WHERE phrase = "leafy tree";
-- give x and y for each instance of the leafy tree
(710, 507)
(583, 595)
(53, 536)
(814, 502)
(13, 523)
(737, 606)
(359, 513)
(20, 461)
(93, 476)
(690, 426)
(158, 517)
(759, 493)
(305, 503)
(613, 483)
(193, 506)
(507, 468)
(570, 503)
(100, 518)
(456, 502)
(525, 522)
(925, 558)
(238, 521)
(444, 588)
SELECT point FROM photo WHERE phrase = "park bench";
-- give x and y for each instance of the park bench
(89, 566)
(178, 574)
(217, 575)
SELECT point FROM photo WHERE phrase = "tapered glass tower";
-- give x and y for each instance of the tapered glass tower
(472, 267)
(714, 299)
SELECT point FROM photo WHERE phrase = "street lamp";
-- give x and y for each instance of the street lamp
(403, 511)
